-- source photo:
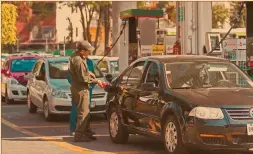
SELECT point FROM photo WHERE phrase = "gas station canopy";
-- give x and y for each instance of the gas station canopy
(141, 13)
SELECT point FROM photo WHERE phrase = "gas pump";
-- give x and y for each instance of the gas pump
(129, 40)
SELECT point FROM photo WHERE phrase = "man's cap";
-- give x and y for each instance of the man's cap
(84, 45)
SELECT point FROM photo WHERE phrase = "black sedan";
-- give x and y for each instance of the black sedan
(190, 102)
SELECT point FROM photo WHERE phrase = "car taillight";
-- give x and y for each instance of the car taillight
(8, 74)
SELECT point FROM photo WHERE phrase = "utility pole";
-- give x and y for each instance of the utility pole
(194, 19)
(117, 7)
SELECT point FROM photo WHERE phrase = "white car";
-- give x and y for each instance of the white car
(14, 77)
(49, 89)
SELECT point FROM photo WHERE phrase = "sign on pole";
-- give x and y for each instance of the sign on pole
(158, 49)
(180, 13)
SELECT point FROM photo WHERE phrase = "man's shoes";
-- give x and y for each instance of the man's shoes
(82, 138)
(72, 134)
(90, 132)
(92, 137)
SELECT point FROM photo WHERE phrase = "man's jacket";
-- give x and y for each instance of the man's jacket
(79, 73)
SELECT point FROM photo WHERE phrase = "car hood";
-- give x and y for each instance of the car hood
(217, 96)
(63, 85)
(60, 84)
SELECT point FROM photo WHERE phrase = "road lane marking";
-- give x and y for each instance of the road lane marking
(61, 142)
(57, 126)
(52, 140)
(12, 106)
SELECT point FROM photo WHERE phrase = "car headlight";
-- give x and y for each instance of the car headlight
(14, 81)
(207, 113)
(59, 94)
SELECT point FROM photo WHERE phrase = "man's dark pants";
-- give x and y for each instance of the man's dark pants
(81, 98)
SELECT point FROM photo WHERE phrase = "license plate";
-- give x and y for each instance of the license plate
(93, 104)
(250, 129)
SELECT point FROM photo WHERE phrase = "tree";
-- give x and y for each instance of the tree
(236, 20)
(107, 23)
(70, 29)
(219, 15)
(9, 30)
(87, 11)
(169, 7)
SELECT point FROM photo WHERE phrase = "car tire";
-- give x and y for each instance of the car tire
(118, 133)
(105, 116)
(46, 112)
(31, 107)
(172, 137)
(7, 100)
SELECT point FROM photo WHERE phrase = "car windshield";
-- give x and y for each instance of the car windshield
(59, 70)
(115, 65)
(184, 75)
(22, 65)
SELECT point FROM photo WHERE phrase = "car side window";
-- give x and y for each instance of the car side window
(42, 71)
(36, 68)
(153, 74)
(135, 76)
(125, 77)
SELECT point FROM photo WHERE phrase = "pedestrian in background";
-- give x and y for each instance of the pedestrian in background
(81, 79)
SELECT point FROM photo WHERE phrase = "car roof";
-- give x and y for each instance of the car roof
(22, 56)
(182, 58)
(54, 59)
(113, 58)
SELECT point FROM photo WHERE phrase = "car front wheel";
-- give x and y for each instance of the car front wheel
(172, 136)
(31, 107)
(48, 116)
(118, 132)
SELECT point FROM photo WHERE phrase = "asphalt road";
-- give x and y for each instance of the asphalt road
(26, 133)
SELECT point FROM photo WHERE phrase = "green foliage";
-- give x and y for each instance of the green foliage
(219, 15)
(236, 20)
(9, 30)
(169, 7)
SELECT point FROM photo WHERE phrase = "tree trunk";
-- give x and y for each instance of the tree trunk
(82, 22)
(107, 26)
(98, 29)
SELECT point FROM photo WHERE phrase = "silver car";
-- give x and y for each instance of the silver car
(49, 89)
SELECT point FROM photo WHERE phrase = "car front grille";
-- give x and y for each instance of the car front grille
(14, 92)
(98, 108)
(62, 108)
(99, 95)
(24, 93)
(214, 140)
(242, 139)
(239, 114)
(70, 95)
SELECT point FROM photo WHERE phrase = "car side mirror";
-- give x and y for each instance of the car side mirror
(3, 71)
(150, 86)
(109, 77)
(39, 77)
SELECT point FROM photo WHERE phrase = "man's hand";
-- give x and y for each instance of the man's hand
(92, 75)
(100, 84)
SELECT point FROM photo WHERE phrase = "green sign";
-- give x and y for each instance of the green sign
(180, 14)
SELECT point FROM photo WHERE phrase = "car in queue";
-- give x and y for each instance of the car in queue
(49, 89)
(14, 77)
(109, 65)
(189, 102)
